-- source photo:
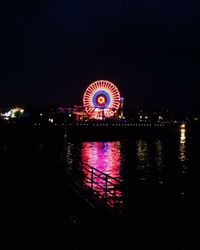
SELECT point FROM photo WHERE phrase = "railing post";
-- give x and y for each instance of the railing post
(114, 198)
(92, 176)
(105, 186)
(106, 189)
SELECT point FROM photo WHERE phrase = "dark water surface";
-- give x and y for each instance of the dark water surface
(161, 185)
(33, 190)
(160, 190)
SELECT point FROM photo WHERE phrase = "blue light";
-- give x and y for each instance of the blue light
(98, 93)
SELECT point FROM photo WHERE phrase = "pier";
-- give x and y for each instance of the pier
(103, 130)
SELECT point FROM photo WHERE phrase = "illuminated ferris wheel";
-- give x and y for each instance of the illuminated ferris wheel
(101, 99)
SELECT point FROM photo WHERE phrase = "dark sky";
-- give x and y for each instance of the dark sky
(51, 51)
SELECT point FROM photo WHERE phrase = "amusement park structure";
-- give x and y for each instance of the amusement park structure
(101, 100)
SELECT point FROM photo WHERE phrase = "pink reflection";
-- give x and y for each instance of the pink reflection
(105, 158)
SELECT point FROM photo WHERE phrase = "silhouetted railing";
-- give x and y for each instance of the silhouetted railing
(106, 187)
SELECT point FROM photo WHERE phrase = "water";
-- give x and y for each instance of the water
(160, 191)
(160, 176)
(166, 160)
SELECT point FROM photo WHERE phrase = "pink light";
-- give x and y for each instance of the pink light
(105, 157)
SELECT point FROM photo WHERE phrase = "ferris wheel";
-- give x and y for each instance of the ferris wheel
(101, 99)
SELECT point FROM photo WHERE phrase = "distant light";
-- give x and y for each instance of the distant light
(183, 125)
(13, 112)
(40, 114)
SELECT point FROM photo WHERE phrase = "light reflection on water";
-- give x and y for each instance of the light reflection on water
(159, 154)
(104, 156)
(149, 157)
(159, 160)
(183, 161)
(69, 153)
(182, 149)
(152, 160)
(143, 159)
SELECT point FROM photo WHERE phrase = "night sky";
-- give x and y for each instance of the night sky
(51, 51)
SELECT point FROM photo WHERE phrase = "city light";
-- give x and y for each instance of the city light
(182, 125)
(13, 113)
